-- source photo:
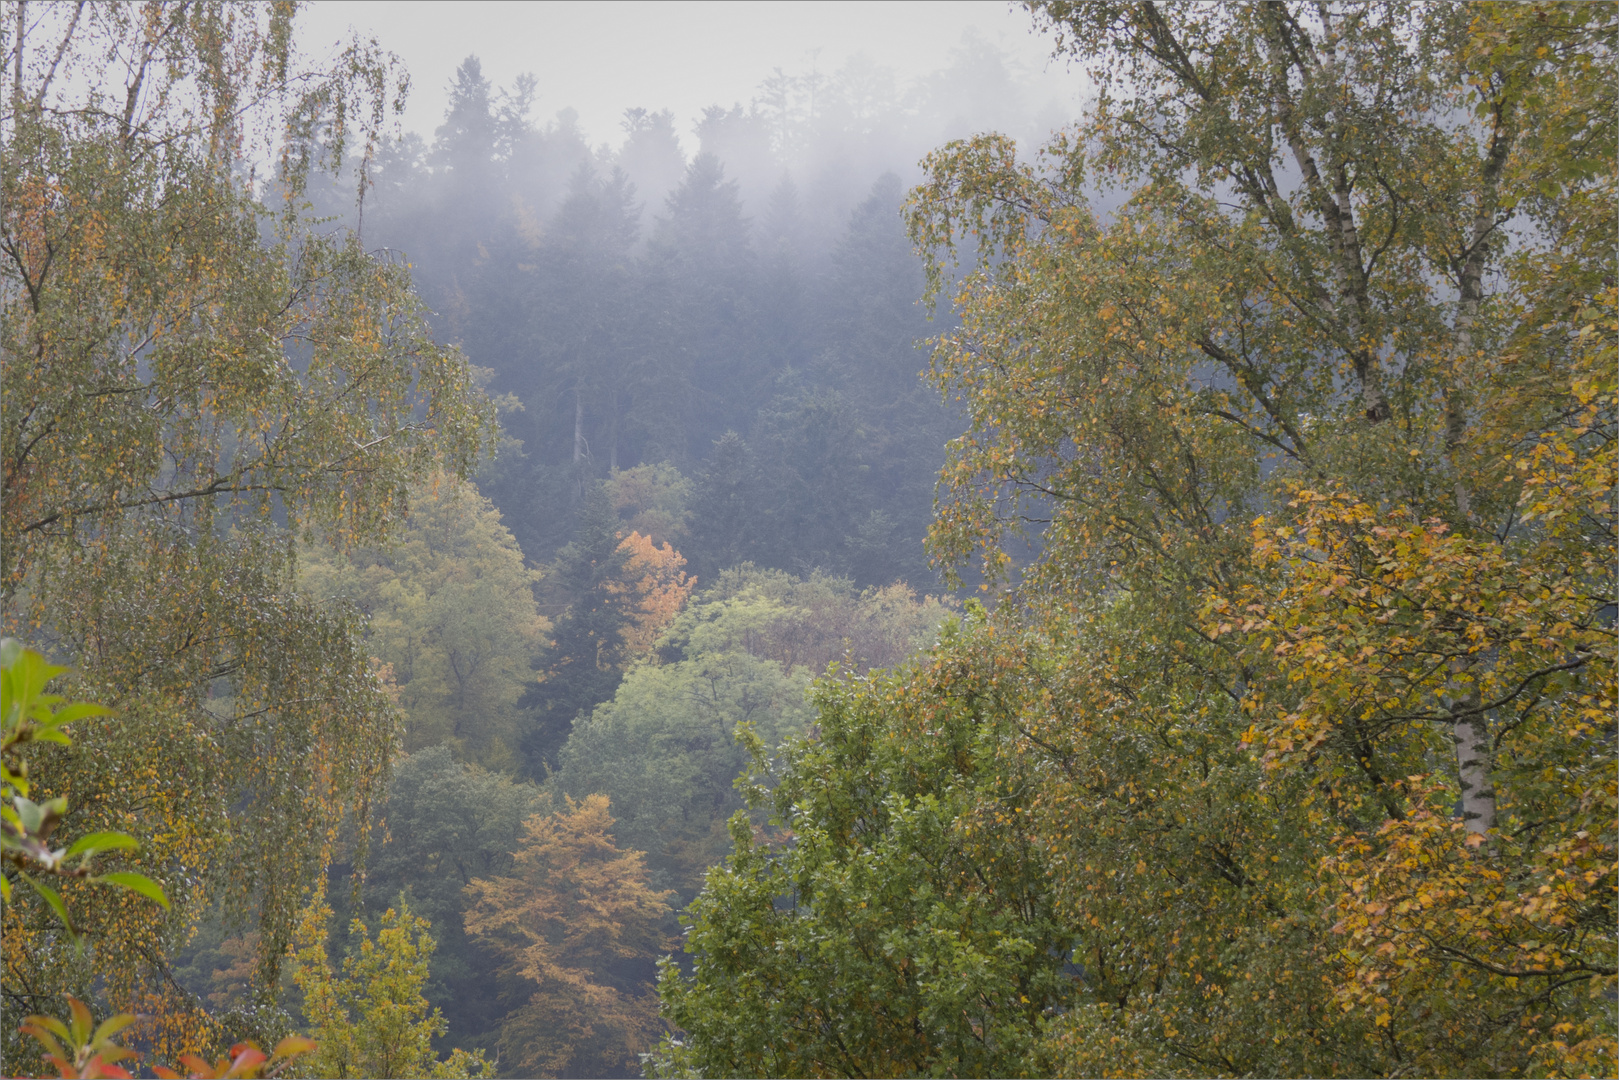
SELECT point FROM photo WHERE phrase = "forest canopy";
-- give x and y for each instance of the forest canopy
(193, 375)
(503, 584)
(1290, 378)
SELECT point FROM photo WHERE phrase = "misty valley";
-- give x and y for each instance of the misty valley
(901, 578)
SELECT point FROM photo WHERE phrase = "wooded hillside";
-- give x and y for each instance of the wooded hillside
(1136, 602)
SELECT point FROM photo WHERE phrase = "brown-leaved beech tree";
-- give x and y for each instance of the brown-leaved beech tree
(194, 374)
(1314, 430)
(577, 925)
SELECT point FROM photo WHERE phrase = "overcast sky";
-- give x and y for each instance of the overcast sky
(602, 58)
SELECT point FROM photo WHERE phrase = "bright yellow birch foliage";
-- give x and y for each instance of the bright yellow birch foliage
(372, 1020)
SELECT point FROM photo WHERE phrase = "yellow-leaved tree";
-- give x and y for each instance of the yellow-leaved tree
(1315, 423)
(1290, 380)
(372, 1020)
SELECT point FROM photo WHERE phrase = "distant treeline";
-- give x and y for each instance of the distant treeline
(757, 333)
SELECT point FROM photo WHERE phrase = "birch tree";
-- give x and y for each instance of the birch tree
(194, 374)
(1314, 433)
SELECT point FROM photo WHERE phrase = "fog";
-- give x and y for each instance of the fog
(670, 240)
(661, 227)
(684, 57)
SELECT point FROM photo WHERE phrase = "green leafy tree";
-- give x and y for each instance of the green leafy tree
(372, 1020)
(669, 745)
(28, 715)
(896, 918)
(665, 747)
(451, 613)
(187, 362)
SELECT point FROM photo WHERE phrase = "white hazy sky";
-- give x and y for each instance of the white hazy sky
(601, 58)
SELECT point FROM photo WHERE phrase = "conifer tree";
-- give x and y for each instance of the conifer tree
(584, 662)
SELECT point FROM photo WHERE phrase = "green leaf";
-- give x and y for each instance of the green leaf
(135, 883)
(29, 813)
(111, 1026)
(101, 841)
(78, 711)
(54, 900)
(26, 678)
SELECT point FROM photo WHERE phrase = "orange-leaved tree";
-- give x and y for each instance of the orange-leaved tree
(658, 587)
(579, 924)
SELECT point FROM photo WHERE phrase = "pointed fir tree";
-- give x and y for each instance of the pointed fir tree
(585, 661)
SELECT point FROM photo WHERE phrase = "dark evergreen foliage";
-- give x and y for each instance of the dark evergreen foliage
(584, 664)
(726, 529)
(448, 823)
(644, 309)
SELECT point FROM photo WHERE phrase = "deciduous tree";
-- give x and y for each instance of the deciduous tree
(1313, 433)
(187, 362)
(896, 918)
(451, 611)
(372, 1020)
(669, 745)
(656, 585)
(578, 924)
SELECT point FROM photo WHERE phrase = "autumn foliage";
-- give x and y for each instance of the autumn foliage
(1290, 374)
(579, 925)
(657, 587)
(154, 429)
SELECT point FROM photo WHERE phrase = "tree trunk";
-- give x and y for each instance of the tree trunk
(1471, 730)
(1470, 282)
(579, 447)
